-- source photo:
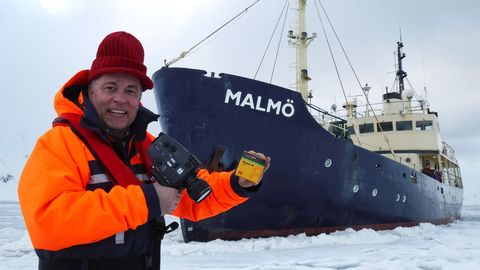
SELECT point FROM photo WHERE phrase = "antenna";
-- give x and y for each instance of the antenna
(423, 64)
(401, 74)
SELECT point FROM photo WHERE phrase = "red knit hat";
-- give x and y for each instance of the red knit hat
(120, 52)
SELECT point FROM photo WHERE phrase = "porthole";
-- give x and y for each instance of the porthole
(328, 162)
(374, 192)
(398, 197)
(404, 199)
(355, 188)
(408, 160)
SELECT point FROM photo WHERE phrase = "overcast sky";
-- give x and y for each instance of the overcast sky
(44, 42)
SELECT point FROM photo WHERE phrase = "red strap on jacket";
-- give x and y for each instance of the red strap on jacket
(118, 172)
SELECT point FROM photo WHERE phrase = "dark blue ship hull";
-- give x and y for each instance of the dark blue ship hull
(317, 182)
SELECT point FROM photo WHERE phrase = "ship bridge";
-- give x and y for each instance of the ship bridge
(405, 133)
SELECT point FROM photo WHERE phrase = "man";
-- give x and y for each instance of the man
(85, 192)
(426, 170)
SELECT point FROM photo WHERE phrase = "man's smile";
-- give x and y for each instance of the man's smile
(114, 111)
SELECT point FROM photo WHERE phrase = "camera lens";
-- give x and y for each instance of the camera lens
(197, 189)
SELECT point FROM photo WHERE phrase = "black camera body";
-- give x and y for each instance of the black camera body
(174, 166)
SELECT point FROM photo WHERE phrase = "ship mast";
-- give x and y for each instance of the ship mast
(401, 74)
(301, 40)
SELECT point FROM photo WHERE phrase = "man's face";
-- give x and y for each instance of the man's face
(116, 98)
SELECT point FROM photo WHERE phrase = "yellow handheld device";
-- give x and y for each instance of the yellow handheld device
(250, 167)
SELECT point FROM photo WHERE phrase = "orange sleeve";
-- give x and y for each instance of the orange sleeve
(58, 210)
(222, 198)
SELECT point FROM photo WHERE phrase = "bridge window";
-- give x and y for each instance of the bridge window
(424, 125)
(386, 126)
(365, 128)
(404, 125)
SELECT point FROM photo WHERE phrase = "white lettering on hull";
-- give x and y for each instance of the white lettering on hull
(259, 104)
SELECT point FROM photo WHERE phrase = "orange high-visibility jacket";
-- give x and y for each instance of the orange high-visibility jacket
(61, 212)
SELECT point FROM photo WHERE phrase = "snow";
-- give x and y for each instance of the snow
(452, 246)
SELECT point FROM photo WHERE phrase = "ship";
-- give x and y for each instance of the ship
(375, 167)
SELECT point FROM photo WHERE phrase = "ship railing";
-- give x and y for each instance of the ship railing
(325, 113)
(336, 128)
(377, 109)
(332, 123)
(452, 175)
(453, 179)
(448, 151)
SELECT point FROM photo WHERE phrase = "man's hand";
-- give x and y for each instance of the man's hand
(245, 183)
(168, 197)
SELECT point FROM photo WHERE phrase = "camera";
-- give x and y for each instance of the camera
(174, 166)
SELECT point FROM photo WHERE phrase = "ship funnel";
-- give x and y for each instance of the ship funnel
(397, 103)
(392, 103)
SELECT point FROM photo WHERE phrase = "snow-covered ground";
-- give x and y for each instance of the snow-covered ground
(452, 246)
